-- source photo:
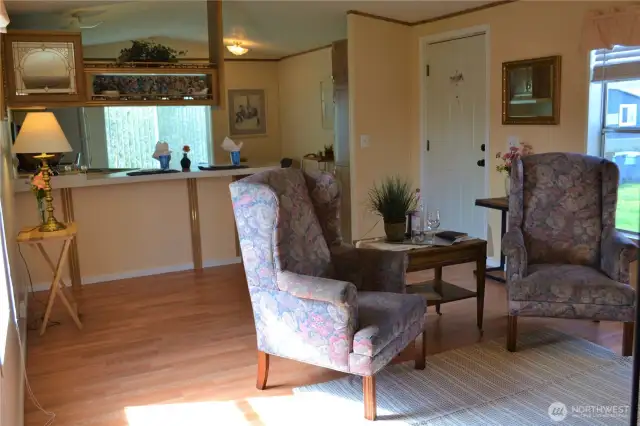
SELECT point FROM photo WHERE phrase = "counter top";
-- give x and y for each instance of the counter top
(82, 180)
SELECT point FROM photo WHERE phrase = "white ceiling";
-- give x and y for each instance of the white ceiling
(269, 28)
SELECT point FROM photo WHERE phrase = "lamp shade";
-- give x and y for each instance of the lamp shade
(41, 133)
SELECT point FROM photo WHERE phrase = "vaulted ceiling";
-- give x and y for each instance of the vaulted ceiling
(269, 28)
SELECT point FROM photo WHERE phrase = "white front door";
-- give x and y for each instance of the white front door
(456, 124)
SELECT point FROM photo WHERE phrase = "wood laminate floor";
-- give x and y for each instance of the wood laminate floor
(188, 338)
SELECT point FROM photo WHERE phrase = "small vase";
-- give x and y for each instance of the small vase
(507, 185)
(185, 163)
(395, 231)
(41, 210)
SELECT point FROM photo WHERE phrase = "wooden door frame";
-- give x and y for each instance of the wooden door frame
(424, 60)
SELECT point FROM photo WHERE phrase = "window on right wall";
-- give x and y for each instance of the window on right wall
(614, 125)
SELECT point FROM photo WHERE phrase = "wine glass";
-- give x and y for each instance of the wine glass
(433, 220)
(433, 223)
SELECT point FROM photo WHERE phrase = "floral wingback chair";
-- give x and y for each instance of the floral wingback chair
(315, 299)
(565, 258)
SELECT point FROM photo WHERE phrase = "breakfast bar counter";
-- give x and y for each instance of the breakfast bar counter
(131, 226)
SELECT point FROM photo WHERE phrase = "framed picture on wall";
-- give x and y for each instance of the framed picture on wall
(247, 112)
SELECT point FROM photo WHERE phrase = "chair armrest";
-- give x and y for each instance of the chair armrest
(616, 254)
(370, 269)
(514, 249)
(315, 288)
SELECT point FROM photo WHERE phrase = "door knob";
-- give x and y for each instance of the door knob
(482, 147)
(481, 163)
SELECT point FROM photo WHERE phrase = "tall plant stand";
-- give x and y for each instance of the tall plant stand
(34, 238)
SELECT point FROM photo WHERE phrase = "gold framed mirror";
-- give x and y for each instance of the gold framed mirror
(531, 91)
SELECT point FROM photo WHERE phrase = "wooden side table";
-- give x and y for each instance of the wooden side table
(501, 204)
(34, 238)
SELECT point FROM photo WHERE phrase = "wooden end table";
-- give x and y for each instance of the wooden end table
(437, 290)
(34, 238)
(501, 204)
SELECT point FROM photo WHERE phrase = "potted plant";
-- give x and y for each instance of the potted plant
(508, 158)
(149, 51)
(328, 153)
(392, 200)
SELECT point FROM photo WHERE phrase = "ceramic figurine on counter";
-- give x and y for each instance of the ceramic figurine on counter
(185, 163)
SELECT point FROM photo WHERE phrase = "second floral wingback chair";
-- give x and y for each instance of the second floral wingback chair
(565, 258)
(316, 299)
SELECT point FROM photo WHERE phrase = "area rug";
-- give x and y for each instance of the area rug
(553, 379)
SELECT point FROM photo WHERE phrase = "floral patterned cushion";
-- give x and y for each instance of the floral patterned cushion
(562, 208)
(382, 317)
(300, 246)
(324, 190)
(570, 284)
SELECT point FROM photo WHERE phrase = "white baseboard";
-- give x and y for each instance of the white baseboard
(493, 262)
(95, 279)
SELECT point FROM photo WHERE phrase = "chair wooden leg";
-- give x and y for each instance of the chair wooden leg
(627, 338)
(512, 333)
(369, 391)
(263, 370)
(421, 351)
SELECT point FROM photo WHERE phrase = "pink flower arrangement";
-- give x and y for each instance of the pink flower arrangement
(37, 185)
(512, 155)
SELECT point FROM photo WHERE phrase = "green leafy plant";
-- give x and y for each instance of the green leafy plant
(149, 51)
(392, 199)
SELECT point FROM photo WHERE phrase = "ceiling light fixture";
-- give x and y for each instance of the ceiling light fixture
(237, 49)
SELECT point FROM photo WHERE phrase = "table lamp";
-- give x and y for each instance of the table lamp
(41, 134)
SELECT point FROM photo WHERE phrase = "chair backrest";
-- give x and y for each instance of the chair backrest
(277, 227)
(325, 193)
(562, 202)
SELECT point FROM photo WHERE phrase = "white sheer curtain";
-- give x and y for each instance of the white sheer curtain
(132, 133)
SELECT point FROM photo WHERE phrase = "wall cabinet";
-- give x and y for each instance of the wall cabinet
(339, 63)
(149, 83)
(43, 67)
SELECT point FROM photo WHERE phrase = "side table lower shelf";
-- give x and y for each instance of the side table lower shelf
(447, 293)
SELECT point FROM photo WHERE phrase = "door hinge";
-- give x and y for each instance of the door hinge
(428, 144)
(428, 70)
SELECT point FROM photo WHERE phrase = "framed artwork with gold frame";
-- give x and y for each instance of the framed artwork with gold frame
(43, 67)
(531, 91)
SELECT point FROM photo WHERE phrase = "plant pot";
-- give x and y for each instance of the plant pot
(395, 230)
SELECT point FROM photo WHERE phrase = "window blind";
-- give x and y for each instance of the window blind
(619, 63)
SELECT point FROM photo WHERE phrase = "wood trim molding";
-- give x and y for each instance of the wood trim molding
(326, 46)
(252, 59)
(380, 18)
(464, 12)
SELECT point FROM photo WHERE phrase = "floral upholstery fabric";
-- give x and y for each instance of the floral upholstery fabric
(307, 330)
(562, 208)
(324, 190)
(302, 279)
(570, 284)
(315, 288)
(369, 269)
(572, 311)
(364, 365)
(382, 317)
(564, 256)
(618, 252)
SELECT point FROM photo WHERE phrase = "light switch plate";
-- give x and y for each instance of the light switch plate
(513, 141)
(365, 141)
